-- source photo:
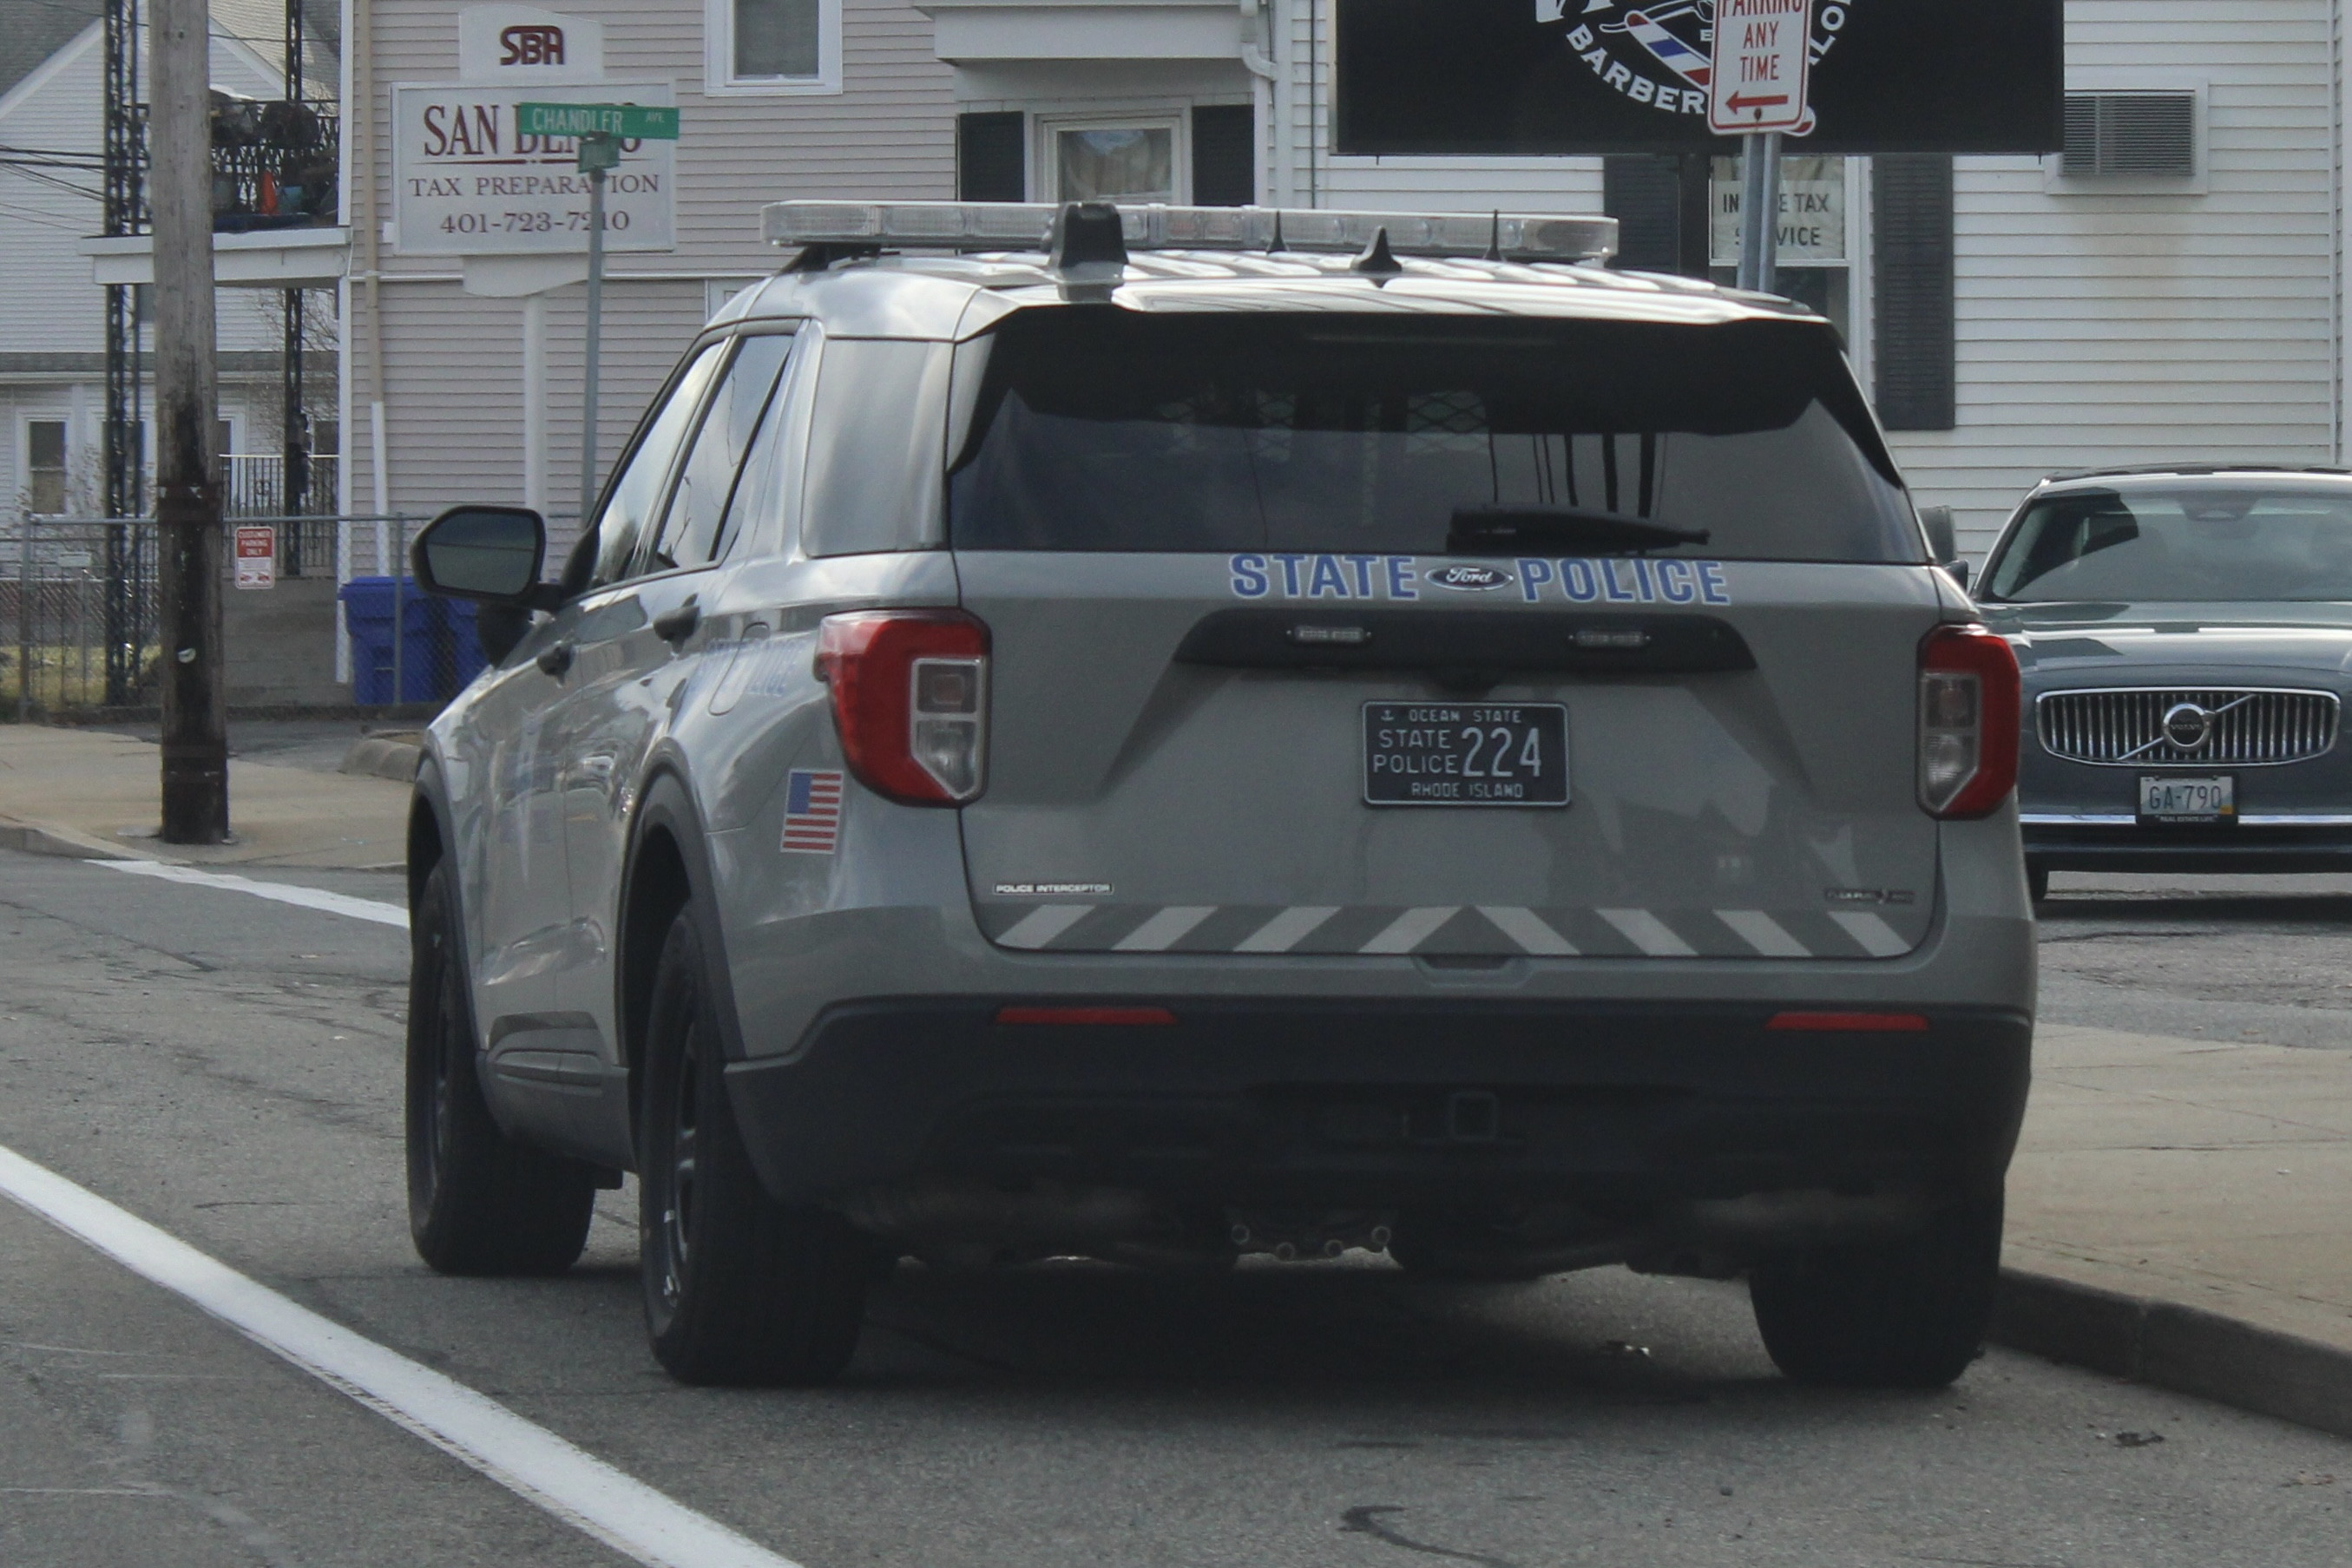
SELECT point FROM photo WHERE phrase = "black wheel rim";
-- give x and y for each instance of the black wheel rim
(678, 1214)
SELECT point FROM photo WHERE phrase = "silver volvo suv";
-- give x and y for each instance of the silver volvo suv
(1166, 735)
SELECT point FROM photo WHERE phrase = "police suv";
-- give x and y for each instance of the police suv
(1170, 734)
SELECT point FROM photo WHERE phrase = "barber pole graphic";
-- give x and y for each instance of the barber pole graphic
(812, 812)
(1670, 51)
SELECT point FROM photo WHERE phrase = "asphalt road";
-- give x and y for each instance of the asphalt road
(227, 1068)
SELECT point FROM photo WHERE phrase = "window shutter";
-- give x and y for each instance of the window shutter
(1224, 155)
(2147, 133)
(1911, 229)
(990, 162)
(1644, 195)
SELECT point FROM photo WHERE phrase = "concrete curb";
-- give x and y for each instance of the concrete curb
(2185, 1349)
(37, 839)
(392, 756)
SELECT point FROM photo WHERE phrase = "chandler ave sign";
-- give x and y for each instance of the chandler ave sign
(1466, 77)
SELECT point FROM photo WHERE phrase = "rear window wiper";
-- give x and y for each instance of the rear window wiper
(1510, 530)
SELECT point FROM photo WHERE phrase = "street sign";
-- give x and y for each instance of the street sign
(1760, 68)
(629, 121)
(257, 556)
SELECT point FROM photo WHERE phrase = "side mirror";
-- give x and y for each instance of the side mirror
(1960, 571)
(488, 553)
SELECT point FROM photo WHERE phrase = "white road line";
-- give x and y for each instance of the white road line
(1763, 933)
(1287, 929)
(1653, 936)
(1878, 939)
(1529, 930)
(1410, 929)
(306, 897)
(1165, 929)
(528, 1459)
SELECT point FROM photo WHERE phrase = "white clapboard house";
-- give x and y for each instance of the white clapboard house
(2173, 286)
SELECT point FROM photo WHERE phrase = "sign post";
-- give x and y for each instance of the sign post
(600, 129)
(1757, 82)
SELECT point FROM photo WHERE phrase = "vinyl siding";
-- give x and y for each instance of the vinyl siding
(453, 387)
(2097, 329)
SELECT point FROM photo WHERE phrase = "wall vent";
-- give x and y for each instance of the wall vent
(2128, 133)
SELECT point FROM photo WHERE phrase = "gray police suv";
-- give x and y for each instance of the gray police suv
(1205, 732)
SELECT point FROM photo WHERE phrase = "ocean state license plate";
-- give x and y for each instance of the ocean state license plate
(2165, 799)
(1465, 754)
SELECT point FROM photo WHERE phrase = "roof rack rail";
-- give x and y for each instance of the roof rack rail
(2189, 470)
(1027, 227)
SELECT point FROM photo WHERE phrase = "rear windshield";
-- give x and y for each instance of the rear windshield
(1105, 429)
(2212, 543)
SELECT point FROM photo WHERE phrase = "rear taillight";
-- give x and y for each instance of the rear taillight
(1967, 721)
(910, 699)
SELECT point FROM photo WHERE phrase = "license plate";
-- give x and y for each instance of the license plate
(1465, 754)
(2164, 798)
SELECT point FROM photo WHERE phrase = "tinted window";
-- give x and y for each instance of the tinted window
(2210, 542)
(1104, 430)
(621, 526)
(689, 530)
(875, 447)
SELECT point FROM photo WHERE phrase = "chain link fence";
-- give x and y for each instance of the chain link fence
(317, 612)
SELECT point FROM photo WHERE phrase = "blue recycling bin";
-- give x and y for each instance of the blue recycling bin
(465, 642)
(423, 655)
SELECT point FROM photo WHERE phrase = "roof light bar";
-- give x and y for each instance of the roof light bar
(1024, 225)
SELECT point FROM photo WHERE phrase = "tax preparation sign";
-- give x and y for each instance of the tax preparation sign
(467, 181)
(1479, 77)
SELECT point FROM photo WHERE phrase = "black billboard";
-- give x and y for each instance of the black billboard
(1468, 77)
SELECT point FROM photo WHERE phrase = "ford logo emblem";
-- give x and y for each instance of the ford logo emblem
(1468, 578)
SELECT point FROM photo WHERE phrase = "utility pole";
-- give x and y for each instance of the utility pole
(187, 494)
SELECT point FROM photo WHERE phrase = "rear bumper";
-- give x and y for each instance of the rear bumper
(1310, 1102)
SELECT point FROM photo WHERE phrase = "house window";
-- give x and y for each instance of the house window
(44, 466)
(1814, 265)
(1125, 162)
(772, 46)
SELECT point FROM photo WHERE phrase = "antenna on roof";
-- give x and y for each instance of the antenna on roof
(1377, 257)
(1494, 245)
(1087, 234)
(1275, 243)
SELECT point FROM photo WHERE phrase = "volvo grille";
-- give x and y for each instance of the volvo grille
(2154, 725)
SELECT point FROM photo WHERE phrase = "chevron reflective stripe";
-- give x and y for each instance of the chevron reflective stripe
(1410, 929)
(1287, 929)
(1044, 923)
(1161, 932)
(1653, 936)
(1326, 930)
(1763, 933)
(1875, 937)
(1528, 929)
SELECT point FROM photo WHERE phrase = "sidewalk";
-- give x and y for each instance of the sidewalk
(76, 791)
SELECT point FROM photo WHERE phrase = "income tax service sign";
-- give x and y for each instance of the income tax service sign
(467, 182)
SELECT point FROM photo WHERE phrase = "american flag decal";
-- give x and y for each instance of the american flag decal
(811, 812)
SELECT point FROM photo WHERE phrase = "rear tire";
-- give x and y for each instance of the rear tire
(1900, 1314)
(478, 1203)
(2037, 882)
(739, 1288)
